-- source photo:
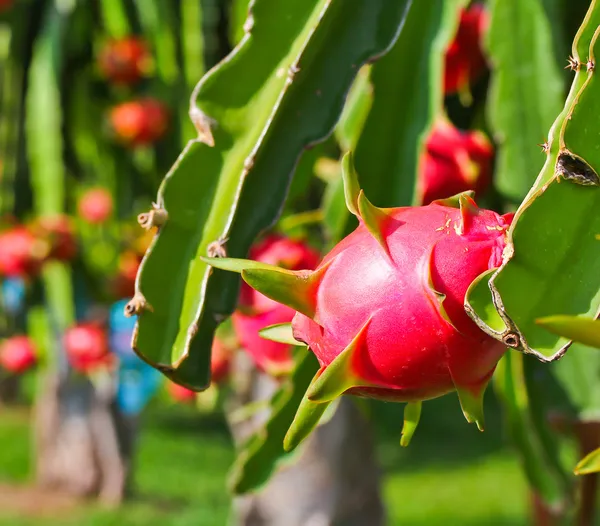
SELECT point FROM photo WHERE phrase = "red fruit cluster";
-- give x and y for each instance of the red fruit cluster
(24, 249)
(454, 161)
(17, 354)
(125, 61)
(465, 61)
(139, 122)
(256, 311)
(86, 346)
(95, 205)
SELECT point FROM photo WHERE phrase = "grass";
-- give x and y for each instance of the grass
(450, 474)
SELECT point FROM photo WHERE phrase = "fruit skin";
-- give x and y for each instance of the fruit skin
(59, 232)
(465, 61)
(454, 161)
(17, 354)
(139, 122)
(392, 306)
(125, 61)
(95, 205)
(21, 252)
(257, 311)
(86, 345)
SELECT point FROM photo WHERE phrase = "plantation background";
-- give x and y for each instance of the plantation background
(139, 137)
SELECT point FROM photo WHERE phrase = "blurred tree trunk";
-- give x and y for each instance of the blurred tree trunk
(83, 445)
(334, 481)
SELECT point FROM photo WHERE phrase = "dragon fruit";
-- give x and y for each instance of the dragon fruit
(140, 122)
(454, 161)
(86, 345)
(383, 312)
(21, 252)
(17, 354)
(220, 361)
(125, 60)
(257, 311)
(95, 205)
(465, 61)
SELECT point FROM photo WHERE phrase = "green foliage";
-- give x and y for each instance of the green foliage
(526, 90)
(287, 77)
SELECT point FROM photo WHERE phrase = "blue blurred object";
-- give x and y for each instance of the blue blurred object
(13, 295)
(137, 381)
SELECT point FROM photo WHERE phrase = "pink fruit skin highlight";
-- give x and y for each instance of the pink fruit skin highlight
(454, 161)
(86, 345)
(408, 351)
(96, 205)
(256, 311)
(21, 253)
(17, 354)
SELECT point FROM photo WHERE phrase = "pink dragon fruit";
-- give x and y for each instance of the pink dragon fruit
(383, 312)
(17, 354)
(257, 311)
(465, 61)
(454, 161)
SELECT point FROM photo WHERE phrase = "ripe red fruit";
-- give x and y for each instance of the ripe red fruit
(86, 346)
(465, 61)
(21, 252)
(181, 394)
(95, 205)
(454, 161)
(125, 61)
(139, 122)
(257, 311)
(59, 233)
(17, 354)
(384, 311)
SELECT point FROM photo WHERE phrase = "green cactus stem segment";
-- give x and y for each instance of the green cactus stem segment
(296, 289)
(471, 403)
(337, 377)
(412, 415)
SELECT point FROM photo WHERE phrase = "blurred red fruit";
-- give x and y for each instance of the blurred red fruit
(124, 283)
(256, 311)
(21, 252)
(465, 61)
(220, 361)
(59, 232)
(95, 205)
(180, 393)
(17, 354)
(454, 161)
(86, 346)
(125, 61)
(139, 122)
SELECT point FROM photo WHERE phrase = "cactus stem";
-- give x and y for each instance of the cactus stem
(136, 305)
(572, 64)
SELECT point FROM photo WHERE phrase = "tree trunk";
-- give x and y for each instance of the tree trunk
(334, 481)
(83, 445)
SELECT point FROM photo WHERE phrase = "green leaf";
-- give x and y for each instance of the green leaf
(526, 90)
(551, 265)
(45, 149)
(589, 464)
(407, 91)
(576, 328)
(296, 66)
(261, 454)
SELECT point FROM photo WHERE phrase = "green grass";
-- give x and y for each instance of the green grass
(451, 474)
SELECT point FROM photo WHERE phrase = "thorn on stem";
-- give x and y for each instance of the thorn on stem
(217, 248)
(572, 64)
(136, 305)
(156, 217)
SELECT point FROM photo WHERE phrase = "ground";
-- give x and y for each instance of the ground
(450, 474)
